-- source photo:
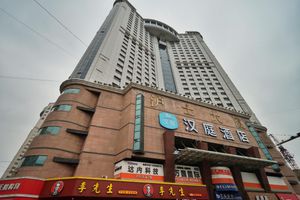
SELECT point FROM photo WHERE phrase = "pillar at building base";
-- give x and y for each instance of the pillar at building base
(236, 173)
(206, 172)
(169, 165)
(260, 173)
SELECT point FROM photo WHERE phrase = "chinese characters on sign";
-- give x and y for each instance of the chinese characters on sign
(216, 118)
(188, 110)
(111, 189)
(96, 188)
(82, 187)
(190, 126)
(227, 133)
(208, 129)
(139, 170)
(9, 186)
(238, 123)
(242, 135)
(156, 100)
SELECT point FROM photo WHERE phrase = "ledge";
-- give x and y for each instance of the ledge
(77, 132)
(70, 161)
(86, 109)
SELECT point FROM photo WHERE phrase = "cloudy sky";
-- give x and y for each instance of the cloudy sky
(257, 42)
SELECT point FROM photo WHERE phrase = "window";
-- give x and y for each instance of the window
(71, 91)
(53, 130)
(117, 78)
(118, 72)
(62, 107)
(36, 160)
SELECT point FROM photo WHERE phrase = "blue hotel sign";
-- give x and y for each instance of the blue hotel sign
(168, 120)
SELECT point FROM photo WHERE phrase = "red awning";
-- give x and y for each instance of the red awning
(287, 197)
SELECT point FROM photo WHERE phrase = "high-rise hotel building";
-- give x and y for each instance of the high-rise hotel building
(128, 48)
(149, 113)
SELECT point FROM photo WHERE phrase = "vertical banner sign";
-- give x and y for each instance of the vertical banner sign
(138, 140)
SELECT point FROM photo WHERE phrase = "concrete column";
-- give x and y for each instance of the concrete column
(204, 167)
(236, 173)
(260, 173)
(169, 146)
(262, 177)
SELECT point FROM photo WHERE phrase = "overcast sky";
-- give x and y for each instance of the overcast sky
(257, 42)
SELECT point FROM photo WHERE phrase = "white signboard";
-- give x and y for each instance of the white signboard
(139, 170)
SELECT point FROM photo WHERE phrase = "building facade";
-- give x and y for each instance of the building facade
(128, 48)
(149, 113)
(18, 159)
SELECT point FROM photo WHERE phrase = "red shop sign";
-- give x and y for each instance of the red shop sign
(113, 188)
(20, 187)
(287, 196)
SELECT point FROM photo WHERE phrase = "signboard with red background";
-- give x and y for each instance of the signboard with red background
(19, 188)
(112, 188)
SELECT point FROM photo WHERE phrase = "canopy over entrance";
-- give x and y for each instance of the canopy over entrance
(192, 156)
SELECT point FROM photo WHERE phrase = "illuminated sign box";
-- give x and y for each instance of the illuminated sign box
(225, 187)
(251, 182)
(277, 184)
(187, 174)
(139, 170)
(20, 188)
(79, 187)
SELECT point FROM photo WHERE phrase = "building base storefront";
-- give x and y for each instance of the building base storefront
(28, 188)
(100, 188)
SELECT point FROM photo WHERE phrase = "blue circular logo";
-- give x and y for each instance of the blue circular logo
(168, 120)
